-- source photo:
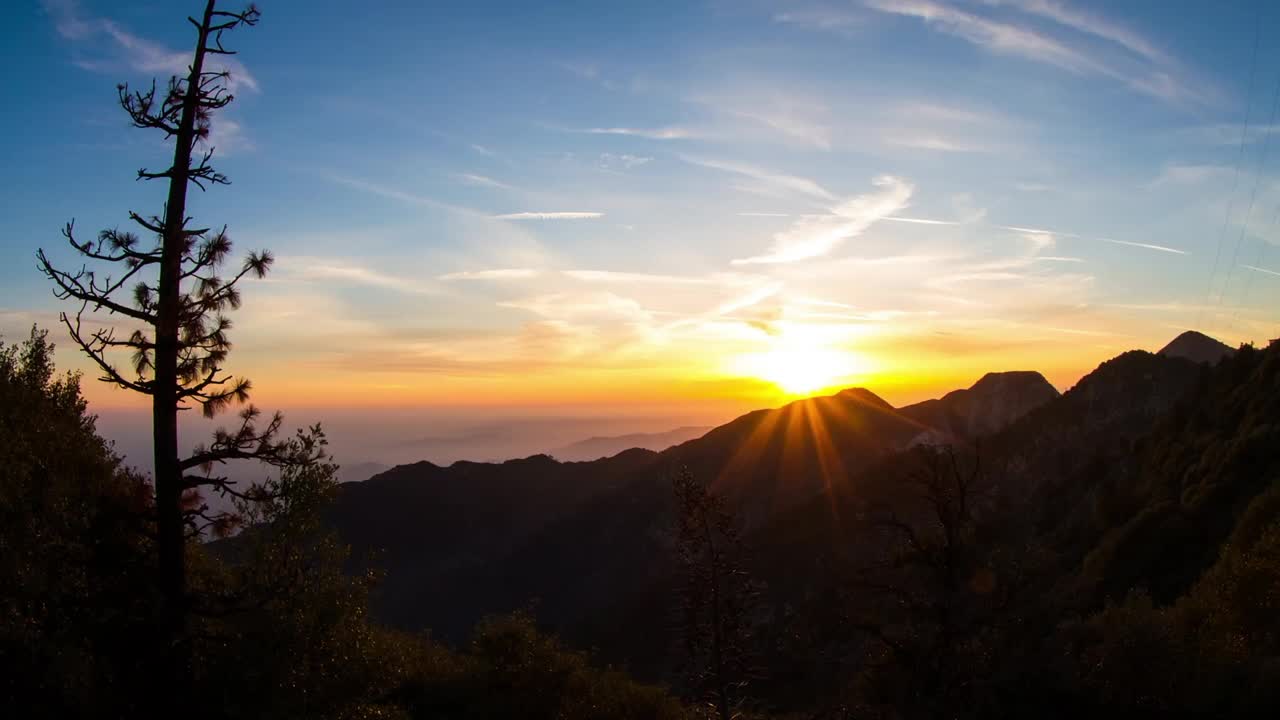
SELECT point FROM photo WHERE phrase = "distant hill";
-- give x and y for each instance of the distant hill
(357, 472)
(598, 447)
(1197, 347)
(582, 536)
(993, 402)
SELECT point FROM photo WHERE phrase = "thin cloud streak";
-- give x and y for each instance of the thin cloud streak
(549, 216)
(482, 181)
(496, 274)
(1009, 39)
(920, 221)
(661, 133)
(1261, 270)
(817, 236)
(1148, 246)
(789, 183)
(137, 52)
(1098, 27)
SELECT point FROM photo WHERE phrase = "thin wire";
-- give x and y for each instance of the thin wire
(1257, 263)
(1235, 178)
(1253, 196)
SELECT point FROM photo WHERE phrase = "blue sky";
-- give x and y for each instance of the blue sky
(524, 203)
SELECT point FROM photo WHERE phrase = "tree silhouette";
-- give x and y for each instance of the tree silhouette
(717, 597)
(173, 298)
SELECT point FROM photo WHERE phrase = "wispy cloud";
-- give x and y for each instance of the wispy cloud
(1147, 246)
(795, 122)
(719, 279)
(1032, 187)
(349, 272)
(1175, 174)
(838, 20)
(933, 142)
(496, 274)
(997, 36)
(658, 133)
(789, 183)
(1046, 237)
(133, 51)
(482, 181)
(625, 161)
(549, 216)
(815, 236)
(392, 193)
(919, 221)
(1261, 270)
(1089, 24)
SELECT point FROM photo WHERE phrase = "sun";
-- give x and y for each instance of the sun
(800, 369)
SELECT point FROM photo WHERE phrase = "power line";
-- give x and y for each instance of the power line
(1253, 196)
(1257, 263)
(1235, 178)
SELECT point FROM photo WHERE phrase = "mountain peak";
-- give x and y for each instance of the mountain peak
(864, 396)
(1197, 347)
(992, 403)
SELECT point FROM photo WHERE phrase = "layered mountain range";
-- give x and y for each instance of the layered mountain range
(588, 544)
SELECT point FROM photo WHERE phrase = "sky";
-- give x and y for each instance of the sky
(676, 210)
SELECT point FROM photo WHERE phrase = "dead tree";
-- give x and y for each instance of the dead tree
(171, 297)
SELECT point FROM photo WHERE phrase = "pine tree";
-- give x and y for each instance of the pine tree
(173, 299)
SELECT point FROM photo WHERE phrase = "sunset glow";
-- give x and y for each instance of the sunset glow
(687, 219)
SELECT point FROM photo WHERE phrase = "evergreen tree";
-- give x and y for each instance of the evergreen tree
(172, 296)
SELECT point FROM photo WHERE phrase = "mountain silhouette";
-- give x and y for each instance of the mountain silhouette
(1197, 347)
(993, 402)
(580, 537)
(590, 542)
(594, 448)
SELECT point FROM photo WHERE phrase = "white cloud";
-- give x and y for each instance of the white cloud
(1261, 270)
(626, 161)
(135, 51)
(919, 221)
(496, 274)
(837, 20)
(392, 193)
(932, 142)
(1032, 187)
(613, 276)
(818, 235)
(548, 216)
(1091, 25)
(1148, 246)
(1039, 240)
(789, 183)
(226, 136)
(482, 181)
(1175, 174)
(660, 133)
(793, 120)
(1009, 39)
(344, 270)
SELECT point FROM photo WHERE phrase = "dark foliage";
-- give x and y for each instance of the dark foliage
(284, 631)
(716, 599)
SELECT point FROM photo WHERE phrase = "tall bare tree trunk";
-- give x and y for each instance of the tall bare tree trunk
(171, 538)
